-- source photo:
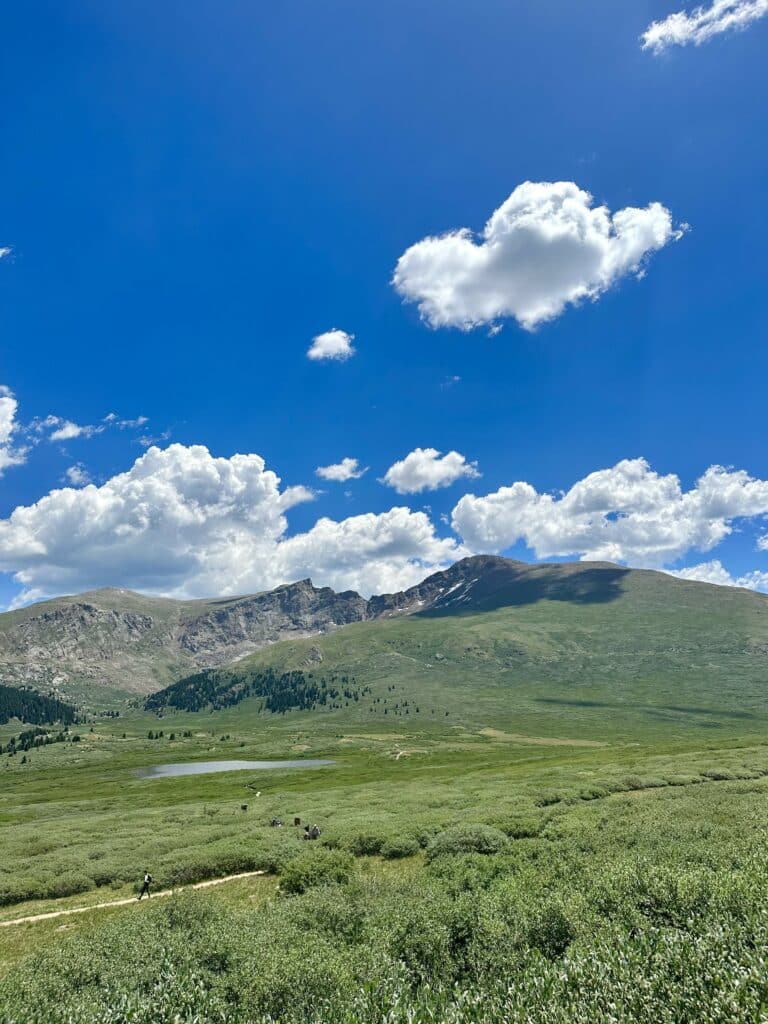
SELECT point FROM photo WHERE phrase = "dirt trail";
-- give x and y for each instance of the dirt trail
(124, 902)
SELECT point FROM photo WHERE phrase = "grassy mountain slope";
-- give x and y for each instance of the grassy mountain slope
(551, 649)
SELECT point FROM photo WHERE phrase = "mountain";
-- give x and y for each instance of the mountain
(507, 645)
(110, 642)
(551, 618)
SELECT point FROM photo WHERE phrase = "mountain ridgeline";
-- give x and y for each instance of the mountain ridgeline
(544, 649)
(110, 643)
(486, 633)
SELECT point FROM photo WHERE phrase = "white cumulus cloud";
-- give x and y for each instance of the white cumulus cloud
(10, 453)
(77, 475)
(715, 572)
(333, 344)
(681, 29)
(184, 523)
(627, 513)
(347, 469)
(544, 248)
(426, 469)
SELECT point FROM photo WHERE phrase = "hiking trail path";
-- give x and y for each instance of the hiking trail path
(32, 918)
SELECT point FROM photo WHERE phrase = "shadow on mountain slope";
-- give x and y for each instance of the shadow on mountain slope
(510, 584)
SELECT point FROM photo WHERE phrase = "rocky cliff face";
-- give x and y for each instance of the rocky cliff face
(115, 640)
(231, 629)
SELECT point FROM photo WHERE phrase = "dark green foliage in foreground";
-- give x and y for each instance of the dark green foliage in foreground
(215, 689)
(315, 867)
(575, 928)
(467, 839)
(33, 708)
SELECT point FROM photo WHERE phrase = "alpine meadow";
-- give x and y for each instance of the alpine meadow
(384, 526)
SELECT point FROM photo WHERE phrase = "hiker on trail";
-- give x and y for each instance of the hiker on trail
(145, 886)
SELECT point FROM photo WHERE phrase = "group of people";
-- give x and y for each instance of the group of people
(310, 832)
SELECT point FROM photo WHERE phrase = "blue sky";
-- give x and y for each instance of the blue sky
(192, 193)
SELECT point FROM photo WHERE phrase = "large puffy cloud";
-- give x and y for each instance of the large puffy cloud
(544, 248)
(627, 513)
(10, 454)
(681, 29)
(183, 523)
(715, 572)
(425, 469)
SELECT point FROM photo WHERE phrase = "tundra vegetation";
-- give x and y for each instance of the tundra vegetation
(546, 812)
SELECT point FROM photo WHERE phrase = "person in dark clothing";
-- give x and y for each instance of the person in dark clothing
(145, 886)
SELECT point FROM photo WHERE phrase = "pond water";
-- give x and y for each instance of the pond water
(169, 771)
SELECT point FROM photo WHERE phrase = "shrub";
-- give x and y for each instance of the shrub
(523, 826)
(316, 866)
(365, 844)
(399, 846)
(549, 929)
(467, 839)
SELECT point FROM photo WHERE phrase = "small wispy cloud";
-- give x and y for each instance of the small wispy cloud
(702, 24)
(57, 428)
(148, 440)
(347, 469)
(114, 420)
(77, 475)
(68, 431)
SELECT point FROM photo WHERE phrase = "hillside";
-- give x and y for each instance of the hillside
(485, 619)
(33, 708)
(551, 647)
(107, 642)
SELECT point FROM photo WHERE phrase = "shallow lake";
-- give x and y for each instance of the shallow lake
(168, 771)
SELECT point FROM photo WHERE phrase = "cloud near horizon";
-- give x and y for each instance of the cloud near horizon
(545, 248)
(702, 24)
(715, 572)
(183, 523)
(627, 513)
